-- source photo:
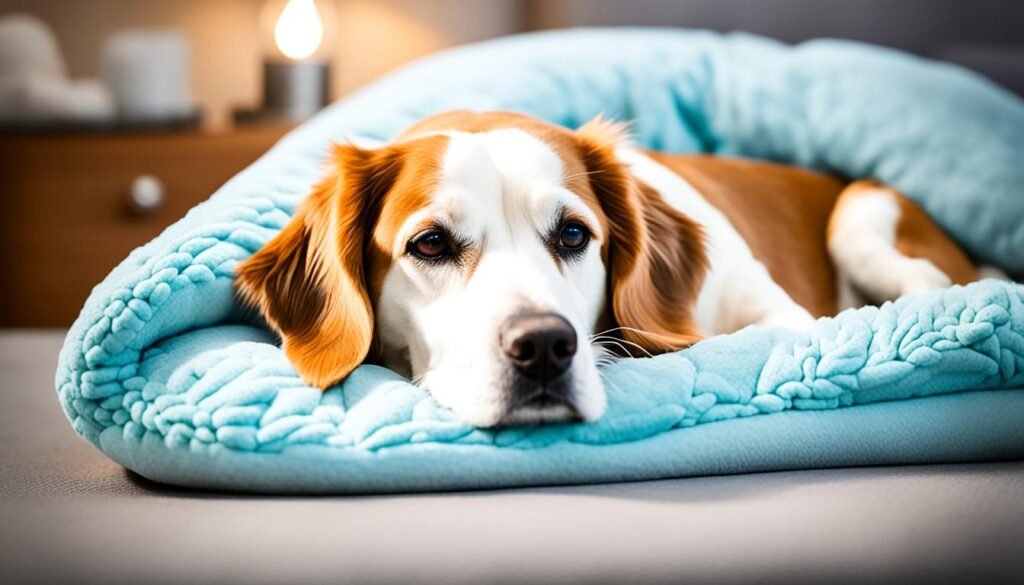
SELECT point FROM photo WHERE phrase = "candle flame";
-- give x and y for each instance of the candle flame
(299, 32)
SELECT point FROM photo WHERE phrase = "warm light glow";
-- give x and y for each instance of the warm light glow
(299, 32)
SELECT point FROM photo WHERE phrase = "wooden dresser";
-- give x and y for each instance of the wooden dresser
(73, 206)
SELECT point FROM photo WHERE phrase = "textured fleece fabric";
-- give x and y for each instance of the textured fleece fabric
(163, 374)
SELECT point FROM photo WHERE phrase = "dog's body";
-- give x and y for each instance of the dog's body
(476, 250)
(787, 245)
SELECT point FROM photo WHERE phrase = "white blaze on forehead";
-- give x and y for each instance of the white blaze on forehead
(508, 176)
(522, 159)
(499, 176)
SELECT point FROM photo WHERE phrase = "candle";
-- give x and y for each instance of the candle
(299, 32)
(295, 82)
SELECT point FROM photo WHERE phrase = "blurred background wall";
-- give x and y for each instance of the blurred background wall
(375, 36)
(917, 25)
(985, 35)
(371, 37)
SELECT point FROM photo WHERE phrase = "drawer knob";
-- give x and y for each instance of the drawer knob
(147, 194)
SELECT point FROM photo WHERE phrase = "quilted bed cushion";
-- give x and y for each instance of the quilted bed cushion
(163, 374)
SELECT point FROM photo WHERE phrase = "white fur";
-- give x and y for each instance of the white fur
(862, 244)
(501, 190)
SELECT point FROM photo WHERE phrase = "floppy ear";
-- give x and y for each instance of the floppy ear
(309, 280)
(655, 254)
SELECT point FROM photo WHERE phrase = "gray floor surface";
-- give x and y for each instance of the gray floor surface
(67, 514)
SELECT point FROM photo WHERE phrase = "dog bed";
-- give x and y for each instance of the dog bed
(163, 373)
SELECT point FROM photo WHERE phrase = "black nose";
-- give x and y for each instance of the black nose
(540, 345)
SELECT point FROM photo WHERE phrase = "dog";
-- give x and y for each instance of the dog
(497, 260)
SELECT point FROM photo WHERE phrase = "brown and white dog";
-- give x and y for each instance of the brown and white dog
(496, 259)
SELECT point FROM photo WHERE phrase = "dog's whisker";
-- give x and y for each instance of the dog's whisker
(606, 331)
(638, 346)
(617, 343)
(633, 330)
(605, 342)
(606, 360)
(582, 174)
(619, 328)
(626, 341)
(604, 357)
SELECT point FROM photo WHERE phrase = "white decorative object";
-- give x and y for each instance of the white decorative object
(147, 71)
(147, 194)
(34, 86)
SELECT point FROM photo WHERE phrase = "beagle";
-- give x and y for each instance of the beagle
(498, 260)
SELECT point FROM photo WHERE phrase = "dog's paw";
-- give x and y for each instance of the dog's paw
(796, 318)
(920, 275)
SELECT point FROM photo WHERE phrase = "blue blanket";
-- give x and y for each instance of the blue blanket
(163, 374)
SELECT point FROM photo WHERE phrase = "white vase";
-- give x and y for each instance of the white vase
(147, 70)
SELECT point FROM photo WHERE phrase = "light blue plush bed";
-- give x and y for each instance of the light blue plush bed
(163, 374)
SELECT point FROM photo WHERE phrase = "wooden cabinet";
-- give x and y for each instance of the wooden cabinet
(66, 207)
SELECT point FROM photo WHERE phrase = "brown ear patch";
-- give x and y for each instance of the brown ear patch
(280, 266)
(658, 295)
(309, 280)
(656, 255)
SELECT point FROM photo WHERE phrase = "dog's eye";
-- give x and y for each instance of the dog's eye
(430, 245)
(573, 236)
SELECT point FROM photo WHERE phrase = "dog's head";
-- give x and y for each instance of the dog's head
(479, 254)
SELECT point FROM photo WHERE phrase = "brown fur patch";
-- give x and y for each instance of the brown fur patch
(780, 211)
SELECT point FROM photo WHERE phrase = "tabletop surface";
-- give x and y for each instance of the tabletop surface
(67, 512)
